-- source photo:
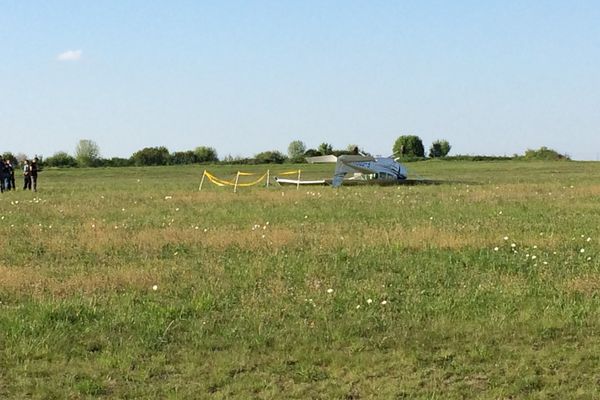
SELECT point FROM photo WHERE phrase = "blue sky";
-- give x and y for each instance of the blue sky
(491, 77)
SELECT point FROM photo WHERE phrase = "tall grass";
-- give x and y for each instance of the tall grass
(129, 283)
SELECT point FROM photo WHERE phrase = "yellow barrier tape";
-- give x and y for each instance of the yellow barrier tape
(246, 173)
(223, 182)
(256, 182)
(289, 173)
(217, 181)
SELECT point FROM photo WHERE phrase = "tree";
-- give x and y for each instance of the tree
(439, 148)
(9, 156)
(269, 157)
(183, 157)
(60, 159)
(312, 153)
(151, 156)
(544, 153)
(206, 154)
(409, 146)
(87, 153)
(325, 149)
(296, 151)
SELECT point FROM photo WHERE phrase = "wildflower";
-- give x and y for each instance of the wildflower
(168, 197)
(369, 301)
(535, 247)
(383, 303)
(329, 290)
(495, 248)
(589, 258)
(582, 251)
(155, 287)
(177, 209)
(505, 237)
(358, 306)
(205, 230)
(513, 245)
(533, 257)
(588, 239)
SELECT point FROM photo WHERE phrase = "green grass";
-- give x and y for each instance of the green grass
(277, 293)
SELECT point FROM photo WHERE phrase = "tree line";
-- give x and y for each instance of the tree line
(405, 148)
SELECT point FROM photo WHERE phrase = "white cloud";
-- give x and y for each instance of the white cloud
(70, 55)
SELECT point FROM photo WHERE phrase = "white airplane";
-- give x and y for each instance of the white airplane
(365, 170)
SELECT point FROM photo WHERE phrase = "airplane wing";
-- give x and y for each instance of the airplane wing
(322, 159)
(348, 158)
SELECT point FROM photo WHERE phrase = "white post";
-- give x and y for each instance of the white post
(202, 181)
(237, 177)
(268, 176)
(298, 183)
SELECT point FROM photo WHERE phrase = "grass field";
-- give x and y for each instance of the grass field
(482, 290)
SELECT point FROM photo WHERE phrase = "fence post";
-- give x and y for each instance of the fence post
(268, 176)
(237, 177)
(298, 183)
(202, 181)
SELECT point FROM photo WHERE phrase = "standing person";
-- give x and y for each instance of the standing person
(11, 171)
(1, 175)
(34, 172)
(26, 175)
(8, 170)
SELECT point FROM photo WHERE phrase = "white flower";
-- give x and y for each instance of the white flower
(369, 301)
(155, 287)
(505, 237)
(535, 247)
(329, 290)
(383, 303)
(495, 249)
(588, 239)
(533, 257)
(589, 259)
(582, 251)
(513, 245)
(358, 306)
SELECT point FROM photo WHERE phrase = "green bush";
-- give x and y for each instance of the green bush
(409, 146)
(544, 153)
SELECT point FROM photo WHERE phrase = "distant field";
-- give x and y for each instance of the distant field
(489, 289)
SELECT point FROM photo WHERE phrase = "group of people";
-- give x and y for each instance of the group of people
(7, 175)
